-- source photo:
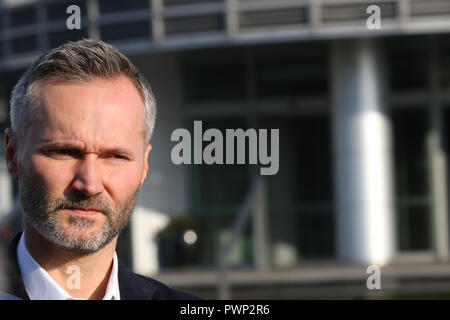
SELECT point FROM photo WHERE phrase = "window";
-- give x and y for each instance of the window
(217, 193)
(24, 44)
(407, 58)
(126, 31)
(23, 16)
(291, 70)
(207, 23)
(108, 6)
(411, 174)
(57, 38)
(213, 75)
(183, 2)
(301, 194)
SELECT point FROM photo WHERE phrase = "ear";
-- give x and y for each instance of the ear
(145, 171)
(11, 153)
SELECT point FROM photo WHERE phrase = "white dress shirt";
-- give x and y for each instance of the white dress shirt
(40, 286)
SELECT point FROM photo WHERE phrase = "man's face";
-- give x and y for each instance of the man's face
(83, 161)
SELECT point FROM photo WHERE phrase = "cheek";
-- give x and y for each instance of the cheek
(54, 176)
(121, 182)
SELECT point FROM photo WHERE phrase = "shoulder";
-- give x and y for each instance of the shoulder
(8, 296)
(134, 286)
(165, 292)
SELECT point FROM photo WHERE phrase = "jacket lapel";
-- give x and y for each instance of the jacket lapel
(133, 286)
(15, 281)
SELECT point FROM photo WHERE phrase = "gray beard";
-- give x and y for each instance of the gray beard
(41, 213)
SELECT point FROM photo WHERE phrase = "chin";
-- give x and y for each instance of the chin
(84, 245)
(81, 239)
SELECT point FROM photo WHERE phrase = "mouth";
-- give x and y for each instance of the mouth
(87, 212)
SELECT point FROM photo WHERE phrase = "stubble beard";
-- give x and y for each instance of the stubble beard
(43, 214)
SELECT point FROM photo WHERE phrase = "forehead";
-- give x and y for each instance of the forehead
(95, 112)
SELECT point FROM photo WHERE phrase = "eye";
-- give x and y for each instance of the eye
(118, 157)
(70, 152)
(64, 152)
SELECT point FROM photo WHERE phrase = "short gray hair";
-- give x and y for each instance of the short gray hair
(76, 61)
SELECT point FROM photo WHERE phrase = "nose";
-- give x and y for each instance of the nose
(88, 178)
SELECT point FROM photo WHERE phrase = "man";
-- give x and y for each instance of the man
(81, 119)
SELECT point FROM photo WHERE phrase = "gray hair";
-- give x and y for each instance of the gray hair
(76, 61)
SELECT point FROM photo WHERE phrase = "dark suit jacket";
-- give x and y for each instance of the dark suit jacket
(132, 286)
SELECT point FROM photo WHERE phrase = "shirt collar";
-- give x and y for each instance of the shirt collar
(40, 286)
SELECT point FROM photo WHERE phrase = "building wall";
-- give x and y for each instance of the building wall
(165, 187)
(287, 84)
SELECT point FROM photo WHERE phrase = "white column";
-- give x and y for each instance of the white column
(93, 16)
(260, 228)
(437, 158)
(157, 22)
(232, 17)
(362, 153)
(145, 225)
(6, 188)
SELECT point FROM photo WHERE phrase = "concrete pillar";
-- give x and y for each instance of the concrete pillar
(166, 188)
(6, 186)
(260, 228)
(164, 194)
(437, 158)
(6, 189)
(157, 22)
(93, 16)
(362, 153)
(145, 225)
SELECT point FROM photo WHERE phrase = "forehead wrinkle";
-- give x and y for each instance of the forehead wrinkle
(85, 135)
(89, 143)
(76, 144)
(88, 125)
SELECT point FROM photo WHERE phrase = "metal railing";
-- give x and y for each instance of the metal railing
(253, 207)
(146, 25)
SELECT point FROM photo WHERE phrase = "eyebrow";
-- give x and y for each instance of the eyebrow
(78, 148)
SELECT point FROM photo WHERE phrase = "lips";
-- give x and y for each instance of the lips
(84, 211)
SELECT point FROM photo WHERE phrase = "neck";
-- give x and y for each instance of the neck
(95, 268)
